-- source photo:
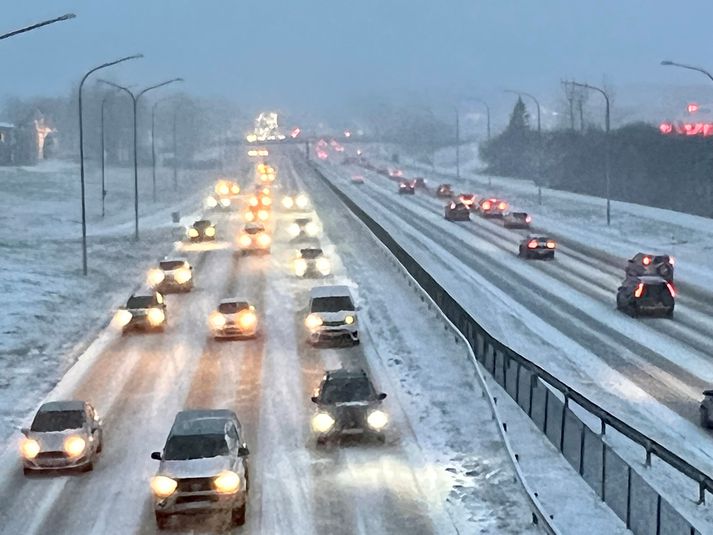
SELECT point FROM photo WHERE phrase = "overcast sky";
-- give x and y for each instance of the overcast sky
(303, 52)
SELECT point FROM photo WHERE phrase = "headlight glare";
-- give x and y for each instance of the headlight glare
(156, 277)
(29, 448)
(163, 486)
(74, 445)
(192, 233)
(312, 228)
(377, 420)
(302, 201)
(121, 318)
(300, 267)
(227, 482)
(322, 422)
(247, 319)
(349, 320)
(313, 321)
(217, 320)
(156, 316)
(263, 240)
(323, 266)
(287, 202)
(210, 232)
(182, 275)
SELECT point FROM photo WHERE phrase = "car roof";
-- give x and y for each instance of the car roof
(203, 422)
(329, 291)
(60, 406)
(235, 300)
(650, 279)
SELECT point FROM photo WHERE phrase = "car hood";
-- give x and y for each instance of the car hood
(206, 467)
(54, 441)
(336, 316)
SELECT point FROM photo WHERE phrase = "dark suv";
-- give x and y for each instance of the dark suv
(203, 467)
(457, 211)
(348, 404)
(646, 295)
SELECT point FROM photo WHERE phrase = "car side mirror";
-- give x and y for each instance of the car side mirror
(156, 455)
(315, 399)
(381, 396)
(243, 451)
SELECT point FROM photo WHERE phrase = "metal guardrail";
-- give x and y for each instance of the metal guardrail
(535, 392)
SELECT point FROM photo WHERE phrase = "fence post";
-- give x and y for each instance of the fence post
(628, 497)
(658, 514)
(604, 471)
(581, 449)
(533, 378)
(564, 420)
(505, 370)
(517, 384)
(547, 402)
(701, 493)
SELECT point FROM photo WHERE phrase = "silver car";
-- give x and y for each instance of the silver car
(63, 435)
(203, 467)
(332, 315)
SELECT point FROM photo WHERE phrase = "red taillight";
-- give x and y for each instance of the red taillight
(551, 244)
(528, 219)
(486, 205)
(671, 289)
(646, 261)
(639, 290)
(532, 244)
(502, 206)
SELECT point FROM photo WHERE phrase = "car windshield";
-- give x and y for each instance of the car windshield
(332, 304)
(140, 301)
(169, 265)
(310, 254)
(202, 224)
(231, 308)
(57, 420)
(184, 447)
(346, 390)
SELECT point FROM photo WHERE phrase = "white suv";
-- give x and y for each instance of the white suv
(332, 315)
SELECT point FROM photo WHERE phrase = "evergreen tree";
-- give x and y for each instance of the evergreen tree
(519, 118)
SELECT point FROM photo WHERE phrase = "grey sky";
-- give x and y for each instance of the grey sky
(301, 52)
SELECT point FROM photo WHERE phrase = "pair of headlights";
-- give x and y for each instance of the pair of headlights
(227, 482)
(194, 233)
(247, 319)
(181, 276)
(323, 422)
(321, 264)
(73, 446)
(311, 229)
(262, 240)
(313, 321)
(155, 317)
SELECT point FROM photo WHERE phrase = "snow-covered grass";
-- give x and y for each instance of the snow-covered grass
(50, 311)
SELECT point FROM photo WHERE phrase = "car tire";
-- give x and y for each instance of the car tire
(237, 515)
(162, 521)
(88, 467)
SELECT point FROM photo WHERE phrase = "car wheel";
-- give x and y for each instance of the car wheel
(238, 515)
(162, 520)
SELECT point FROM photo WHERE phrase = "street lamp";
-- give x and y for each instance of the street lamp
(539, 140)
(68, 16)
(668, 63)
(81, 151)
(135, 100)
(607, 156)
(104, 99)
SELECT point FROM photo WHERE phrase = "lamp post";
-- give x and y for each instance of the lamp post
(13, 33)
(81, 151)
(607, 155)
(457, 142)
(539, 140)
(135, 97)
(689, 67)
(104, 99)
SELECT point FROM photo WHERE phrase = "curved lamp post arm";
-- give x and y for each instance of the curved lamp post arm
(689, 67)
(38, 25)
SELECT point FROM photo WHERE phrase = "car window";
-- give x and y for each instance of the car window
(169, 265)
(332, 304)
(140, 301)
(184, 447)
(46, 421)
(231, 308)
(346, 390)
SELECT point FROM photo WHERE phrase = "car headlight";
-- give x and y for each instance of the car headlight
(74, 445)
(302, 201)
(249, 216)
(324, 266)
(287, 202)
(312, 228)
(210, 202)
(245, 240)
(263, 240)
(263, 215)
(377, 419)
(247, 319)
(210, 232)
(217, 320)
(29, 448)
(192, 233)
(266, 201)
(223, 189)
(322, 422)
(225, 203)
(313, 321)
(234, 189)
(253, 201)
(163, 486)
(121, 318)
(156, 316)
(293, 230)
(182, 275)
(227, 482)
(349, 320)
(156, 277)
(300, 267)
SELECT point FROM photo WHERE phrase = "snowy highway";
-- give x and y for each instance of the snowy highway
(562, 313)
(442, 469)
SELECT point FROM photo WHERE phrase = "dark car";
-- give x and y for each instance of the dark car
(538, 247)
(457, 211)
(492, 207)
(517, 220)
(420, 182)
(203, 467)
(145, 310)
(348, 404)
(444, 191)
(648, 295)
(201, 230)
(63, 435)
(407, 187)
(706, 409)
(649, 264)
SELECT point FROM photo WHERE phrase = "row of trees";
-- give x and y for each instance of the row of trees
(647, 167)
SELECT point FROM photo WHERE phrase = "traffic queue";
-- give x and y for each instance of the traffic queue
(203, 466)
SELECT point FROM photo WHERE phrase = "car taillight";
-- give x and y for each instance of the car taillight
(486, 205)
(639, 290)
(646, 261)
(671, 289)
(551, 244)
(502, 206)
(532, 244)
